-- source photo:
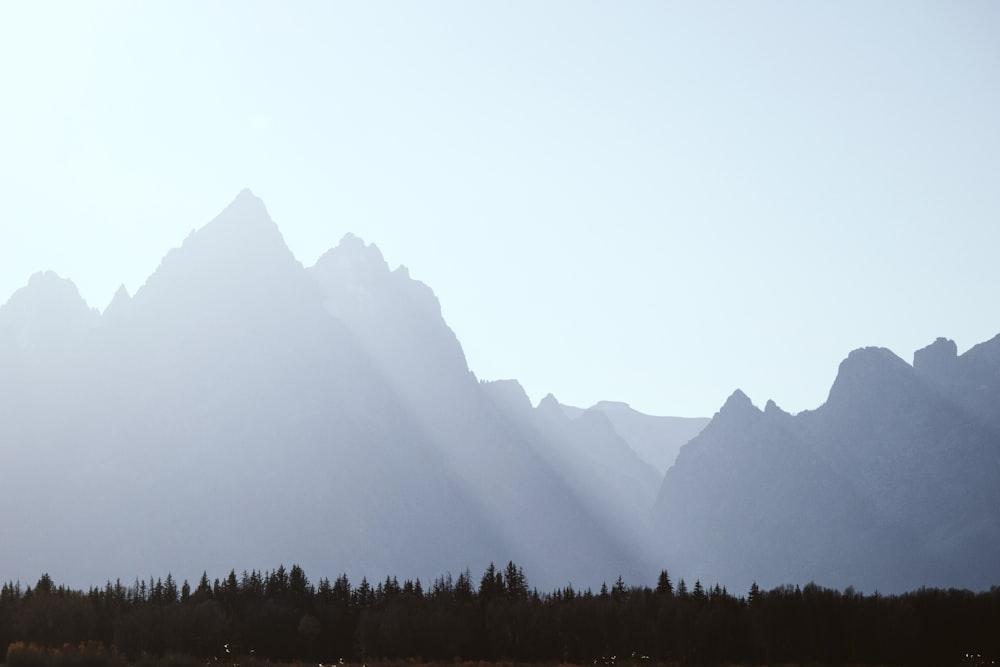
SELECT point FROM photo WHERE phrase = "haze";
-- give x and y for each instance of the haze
(648, 202)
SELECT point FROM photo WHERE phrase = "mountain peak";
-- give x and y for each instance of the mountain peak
(869, 359)
(48, 309)
(865, 371)
(246, 200)
(239, 250)
(118, 302)
(773, 411)
(549, 405)
(937, 359)
(353, 256)
(242, 228)
(366, 252)
(49, 286)
(247, 210)
(737, 407)
(508, 395)
(737, 401)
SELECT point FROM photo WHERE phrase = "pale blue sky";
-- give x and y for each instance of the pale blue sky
(649, 202)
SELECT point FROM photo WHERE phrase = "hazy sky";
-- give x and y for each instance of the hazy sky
(649, 202)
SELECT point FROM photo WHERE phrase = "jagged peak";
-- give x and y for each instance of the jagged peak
(48, 286)
(738, 405)
(509, 384)
(120, 300)
(866, 369)
(353, 253)
(41, 279)
(508, 394)
(937, 359)
(549, 404)
(771, 409)
(242, 240)
(46, 289)
(47, 309)
(353, 243)
(866, 361)
(738, 400)
(355, 274)
(246, 212)
(244, 224)
(350, 240)
(247, 200)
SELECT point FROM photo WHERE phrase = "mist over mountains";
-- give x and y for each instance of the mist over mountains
(241, 410)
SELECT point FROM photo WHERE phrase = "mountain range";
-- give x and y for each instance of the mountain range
(242, 410)
(892, 484)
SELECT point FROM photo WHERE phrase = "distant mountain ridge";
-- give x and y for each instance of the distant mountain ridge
(892, 484)
(656, 439)
(241, 410)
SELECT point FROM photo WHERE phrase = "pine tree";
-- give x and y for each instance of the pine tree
(463, 587)
(618, 590)
(516, 582)
(754, 593)
(491, 585)
(169, 590)
(204, 590)
(699, 590)
(663, 584)
(364, 596)
(342, 589)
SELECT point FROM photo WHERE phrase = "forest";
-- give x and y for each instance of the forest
(280, 616)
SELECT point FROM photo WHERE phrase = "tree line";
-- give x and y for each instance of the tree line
(281, 616)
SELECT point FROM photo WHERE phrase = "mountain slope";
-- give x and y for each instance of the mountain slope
(891, 484)
(241, 411)
(655, 439)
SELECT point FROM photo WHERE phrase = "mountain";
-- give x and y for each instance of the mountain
(655, 439)
(589, 456)
(44, 316)
(891, 484)
(241, 411)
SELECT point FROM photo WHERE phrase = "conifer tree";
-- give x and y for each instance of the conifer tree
(663, 584)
